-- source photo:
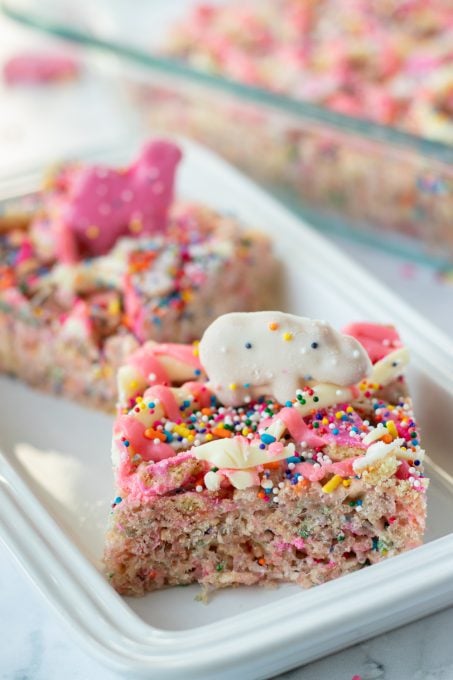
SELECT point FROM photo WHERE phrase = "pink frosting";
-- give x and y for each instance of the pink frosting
(165, 395)
(161, 480)
(94, 206)
(273, 449)
(35, 68)
(229, 473)
(297, 427)
(146, 360)
(135, 309)
(201, 394)
(281, 546)
(25, 252)
(183, 353)
(343, 429)
(378, 339)
(134, 432)
(315, 474)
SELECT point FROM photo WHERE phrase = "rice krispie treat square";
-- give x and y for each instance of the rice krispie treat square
(277, 450)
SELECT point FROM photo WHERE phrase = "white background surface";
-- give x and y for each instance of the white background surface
(33, 644)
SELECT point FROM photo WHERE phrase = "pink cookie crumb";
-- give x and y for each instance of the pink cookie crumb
(35, 68)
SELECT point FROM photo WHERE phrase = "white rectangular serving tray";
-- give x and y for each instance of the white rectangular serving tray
(56, 486)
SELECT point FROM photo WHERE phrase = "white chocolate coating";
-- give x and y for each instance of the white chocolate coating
(378, 450)
(375, 452)
(273, 353)
(130, 381)
(390, 367)
(212, 480)
(239, 454)
(328, 395)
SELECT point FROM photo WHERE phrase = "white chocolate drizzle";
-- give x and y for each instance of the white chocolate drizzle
(238, 454)
(390, 367)
(328, 395)
(379, 450)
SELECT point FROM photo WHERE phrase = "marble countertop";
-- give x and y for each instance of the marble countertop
(34, 645)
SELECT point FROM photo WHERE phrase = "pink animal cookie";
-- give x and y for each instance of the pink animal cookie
(94, 206)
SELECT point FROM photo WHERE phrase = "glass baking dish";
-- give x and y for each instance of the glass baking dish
(369, 181)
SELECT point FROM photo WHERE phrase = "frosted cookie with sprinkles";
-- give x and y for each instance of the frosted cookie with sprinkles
(260, 490)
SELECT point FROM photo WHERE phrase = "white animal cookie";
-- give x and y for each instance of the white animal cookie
(274, 354)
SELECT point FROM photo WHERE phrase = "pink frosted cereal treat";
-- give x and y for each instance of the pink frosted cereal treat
(112, 259)
(276, 450)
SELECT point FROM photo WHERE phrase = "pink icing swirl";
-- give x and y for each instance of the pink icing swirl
(315, 474)
(183, 353)
(133, 431)
(144, 360)
(297, 427)
(160, 473)
(147, 360)
(200, 393)
(165, 395)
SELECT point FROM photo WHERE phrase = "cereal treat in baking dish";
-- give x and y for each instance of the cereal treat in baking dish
(277, 450)
(111, 259)
(385, 62)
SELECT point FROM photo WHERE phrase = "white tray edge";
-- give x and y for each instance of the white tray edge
(276, 636)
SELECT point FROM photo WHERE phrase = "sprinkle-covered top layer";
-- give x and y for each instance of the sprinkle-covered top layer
(131, 289)
(170, 438)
